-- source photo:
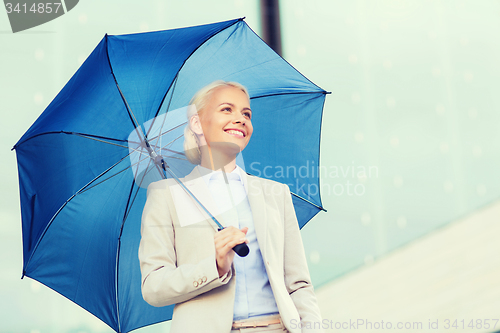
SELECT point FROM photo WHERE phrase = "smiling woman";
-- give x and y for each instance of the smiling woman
(222, 114)
(190, 263)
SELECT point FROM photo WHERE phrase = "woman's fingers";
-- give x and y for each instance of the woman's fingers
(225, 244)
(231, 236)
(225, 240)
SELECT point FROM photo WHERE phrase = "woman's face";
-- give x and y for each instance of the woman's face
(226, 117)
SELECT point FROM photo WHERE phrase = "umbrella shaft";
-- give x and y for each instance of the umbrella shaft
(166, 169)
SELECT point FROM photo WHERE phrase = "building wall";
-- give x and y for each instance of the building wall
(451, 274)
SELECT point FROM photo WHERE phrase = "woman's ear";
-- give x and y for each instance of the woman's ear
(195, 124)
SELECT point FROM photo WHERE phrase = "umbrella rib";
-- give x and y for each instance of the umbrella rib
(72, 133)
(136, 150)
(170, 130)
(131, 115)
(178, 158)
(127, 211)
(87, 187)
(140, 184)
(177, 138)
(292, 93)
(116, 285)
(64, 205)
(129, 205)
(129, 110)
(247, 68)
(312, 203)
(103, 141)
(137, 170)
(189, 56)
(127, 106)
(161, 104)
(168, 143)
(172, 151)
(117, 260)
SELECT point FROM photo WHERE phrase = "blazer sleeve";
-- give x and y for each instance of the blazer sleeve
(297, 278)
(163, 281)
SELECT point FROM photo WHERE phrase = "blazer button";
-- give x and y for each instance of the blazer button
(195, 284)
(204, 279)
(200, 281)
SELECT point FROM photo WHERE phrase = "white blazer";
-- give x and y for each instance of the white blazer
(178, 264)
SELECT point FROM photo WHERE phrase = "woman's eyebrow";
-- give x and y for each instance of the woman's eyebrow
(231, 104)
(227, 104)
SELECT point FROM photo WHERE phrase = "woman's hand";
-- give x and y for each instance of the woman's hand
(225, 240)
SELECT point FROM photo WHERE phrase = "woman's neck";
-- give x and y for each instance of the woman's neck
(216, 159)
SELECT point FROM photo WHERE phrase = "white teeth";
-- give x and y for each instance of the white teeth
(238, 133)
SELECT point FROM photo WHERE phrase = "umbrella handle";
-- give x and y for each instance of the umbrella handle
(241, 249)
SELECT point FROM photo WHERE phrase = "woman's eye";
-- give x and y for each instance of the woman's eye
(248, 115)
(227, 109)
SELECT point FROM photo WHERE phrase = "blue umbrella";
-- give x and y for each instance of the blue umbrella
(82, 184)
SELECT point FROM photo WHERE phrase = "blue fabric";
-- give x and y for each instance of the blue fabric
(81, 201)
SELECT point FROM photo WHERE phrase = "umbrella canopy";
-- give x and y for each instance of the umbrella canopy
(81, 200)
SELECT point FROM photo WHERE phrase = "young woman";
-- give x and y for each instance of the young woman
(186, 261)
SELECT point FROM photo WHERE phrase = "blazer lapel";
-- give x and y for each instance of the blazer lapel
(258, 206)
(195, 183)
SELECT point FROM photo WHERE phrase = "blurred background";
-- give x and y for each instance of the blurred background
(410, 151)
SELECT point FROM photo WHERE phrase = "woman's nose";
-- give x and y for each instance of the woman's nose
(239, 119)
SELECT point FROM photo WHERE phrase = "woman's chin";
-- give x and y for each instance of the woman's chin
(221, 153)
(226, 148)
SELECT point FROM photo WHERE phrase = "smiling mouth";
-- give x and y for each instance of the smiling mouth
(237, 133)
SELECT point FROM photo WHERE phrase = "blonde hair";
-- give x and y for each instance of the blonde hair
(199, 100)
